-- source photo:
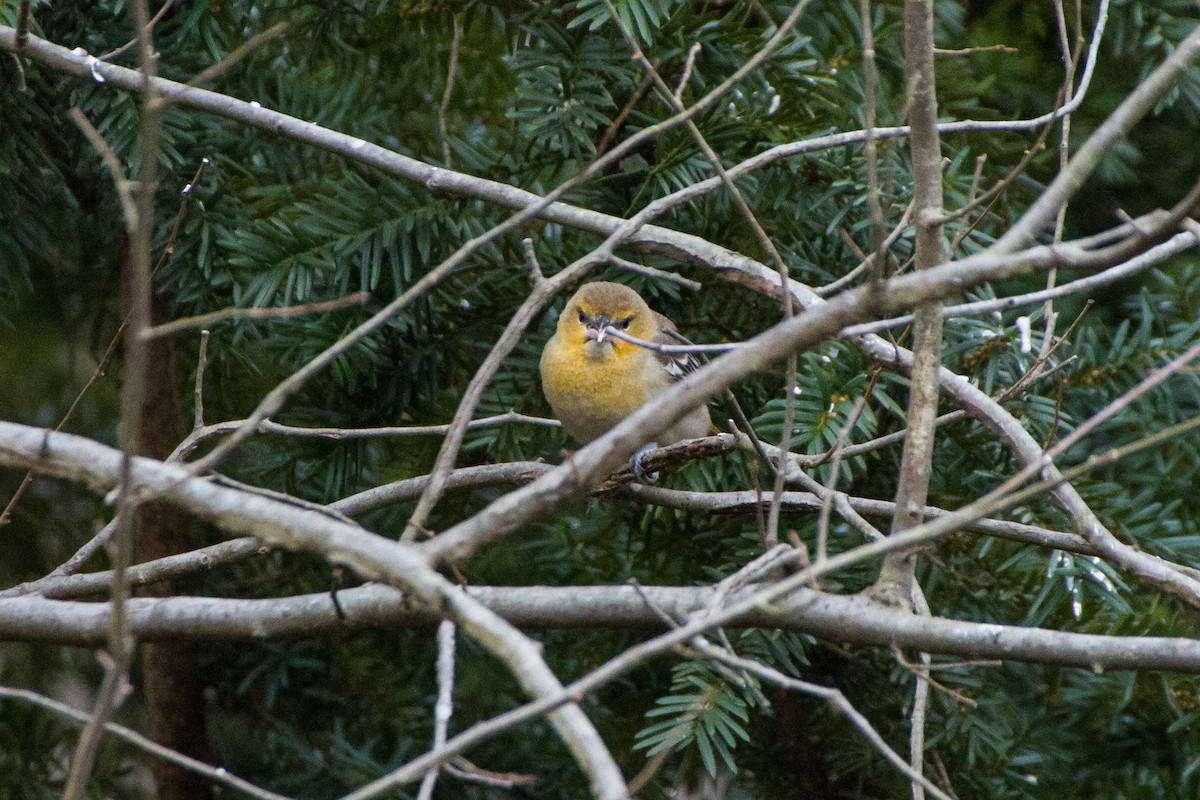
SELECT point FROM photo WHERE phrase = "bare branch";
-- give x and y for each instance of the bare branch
(969, 51)
(22, 36)
(207, 558)
(143, 575)
(444, 706)
(245, 49)
(831, 695)
(198, 391)
(856, 614)
(898, 573)
(162, 12)
(836, 618)
(746, 500)
(451, 73)
(1136, 105)
(868, 261)
(64, 59)
(205, 320)
(216, 774)
(129, 211)
(267, 426)
(139, 224)
(658, 274)
(1155, 255)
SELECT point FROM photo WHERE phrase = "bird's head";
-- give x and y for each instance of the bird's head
(601, 305)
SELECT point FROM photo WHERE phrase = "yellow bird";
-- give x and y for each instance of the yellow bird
(594, 380)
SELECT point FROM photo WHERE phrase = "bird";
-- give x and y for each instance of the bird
(593, 380)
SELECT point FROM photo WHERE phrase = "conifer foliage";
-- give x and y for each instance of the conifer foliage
(497, 95)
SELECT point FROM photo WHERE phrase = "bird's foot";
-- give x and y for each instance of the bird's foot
(635, 463)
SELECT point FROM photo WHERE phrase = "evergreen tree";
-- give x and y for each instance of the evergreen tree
(248, 218)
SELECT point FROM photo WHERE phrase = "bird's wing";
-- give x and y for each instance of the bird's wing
(677, 365)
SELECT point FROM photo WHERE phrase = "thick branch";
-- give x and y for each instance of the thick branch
(899, 569)
(838, 618)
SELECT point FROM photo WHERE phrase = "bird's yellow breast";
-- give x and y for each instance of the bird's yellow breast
(591, 393)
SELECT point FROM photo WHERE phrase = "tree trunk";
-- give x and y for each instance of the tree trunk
(172, 683)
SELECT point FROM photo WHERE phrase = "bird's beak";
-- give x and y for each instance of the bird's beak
(598, 328)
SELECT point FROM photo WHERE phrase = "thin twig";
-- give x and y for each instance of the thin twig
(878, 255)
(835, 466)
(1070, 61)
(198, 391)
(652, 272)
(22, 38)
(6, 514)
(1176, 244)
(999, 187)
(916, 737)
(79, 718)
(694, 349)
(626, 110)
(831, 695)
(921, 673)
(866, 261)
(129, 209)
(967, 51)
(139, 222)
(840, 501)
(444, 706)
(162, 12)
(687, 73)
(205, 320)
(531, 262)
(464, 770)
(198, 437)
(245, 49)
(943, 775)
(451, 73)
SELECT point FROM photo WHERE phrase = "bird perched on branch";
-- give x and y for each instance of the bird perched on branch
(594, 380)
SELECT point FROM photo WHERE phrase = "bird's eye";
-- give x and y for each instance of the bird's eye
(582, 316)
(623, 324)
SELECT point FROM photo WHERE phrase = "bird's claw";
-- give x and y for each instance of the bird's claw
(635, 464)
